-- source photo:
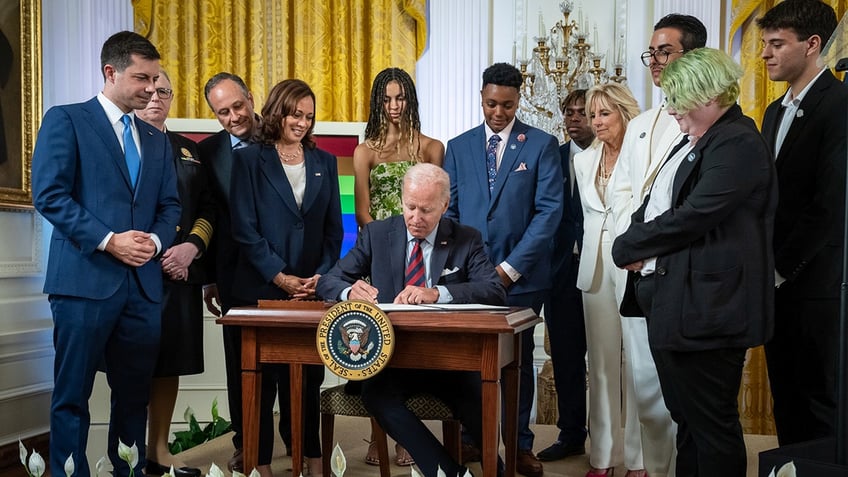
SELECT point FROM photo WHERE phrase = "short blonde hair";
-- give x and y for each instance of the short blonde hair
(614, 97)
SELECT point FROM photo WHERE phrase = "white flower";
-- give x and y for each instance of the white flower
(23, 452)
(467, 473)
(187, 416)
(239, 474)
(413, 472)
(170, 472)
(128, 454)
(440, 472)
(69, 465)
(99, 466)
(215, 471)
(338, 463)
(36, 464)
(254, 473)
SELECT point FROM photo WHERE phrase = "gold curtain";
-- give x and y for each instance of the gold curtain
(757, 91)
(337, 46)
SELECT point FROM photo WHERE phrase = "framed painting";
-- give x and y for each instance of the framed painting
(337, 138)
(20, 97)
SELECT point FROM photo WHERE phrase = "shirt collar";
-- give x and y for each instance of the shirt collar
(795, 99)
(234, 140)
(430, 238)
(504, 134)
(113, 112)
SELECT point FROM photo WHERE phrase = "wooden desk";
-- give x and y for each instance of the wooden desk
(482, 341)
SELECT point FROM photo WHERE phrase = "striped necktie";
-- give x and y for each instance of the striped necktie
(415, 268)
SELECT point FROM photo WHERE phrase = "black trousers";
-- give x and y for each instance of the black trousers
(801, 359)
(385, 395)
(700, 390)
(567, 335)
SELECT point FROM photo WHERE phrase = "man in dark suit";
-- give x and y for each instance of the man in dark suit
(506, 182)
(232, 104)
(564, 303)
(451, 267)
(806, 131)
(105, 180)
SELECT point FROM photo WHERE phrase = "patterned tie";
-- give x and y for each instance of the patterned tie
(492, 160)
(130, 150)
(415, 269)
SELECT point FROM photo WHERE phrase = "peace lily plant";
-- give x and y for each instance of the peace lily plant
(35, 466)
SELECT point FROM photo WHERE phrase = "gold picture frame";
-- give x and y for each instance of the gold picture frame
(20, 97)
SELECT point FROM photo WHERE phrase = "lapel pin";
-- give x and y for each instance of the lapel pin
(521, 137)
(512, 146)
(443, 242)
(642, 136)
(149, 133)
(690, 157)
(799, 113)
(318, 174)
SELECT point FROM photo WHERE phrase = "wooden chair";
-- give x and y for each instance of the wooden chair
(334, 401)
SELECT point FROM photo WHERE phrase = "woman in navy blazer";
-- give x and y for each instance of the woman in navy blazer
(286, 219)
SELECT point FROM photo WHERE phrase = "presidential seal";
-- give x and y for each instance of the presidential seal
(355, 340)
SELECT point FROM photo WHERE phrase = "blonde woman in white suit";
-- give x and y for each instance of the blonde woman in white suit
(610, 106)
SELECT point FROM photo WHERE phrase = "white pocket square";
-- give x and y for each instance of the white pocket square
(521, 167)
(449, 271)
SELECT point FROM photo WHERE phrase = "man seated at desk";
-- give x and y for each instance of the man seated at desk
(419, 258)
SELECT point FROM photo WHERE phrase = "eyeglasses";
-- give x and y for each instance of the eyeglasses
(164, 93)
(661, 56)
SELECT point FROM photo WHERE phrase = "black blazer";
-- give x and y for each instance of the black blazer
(715, 268)
(458, 260)
(811, 177)
(272, 234)
(197, 221)
(570, 229)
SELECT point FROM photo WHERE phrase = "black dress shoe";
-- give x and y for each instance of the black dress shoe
(155, 468)
(560, 450)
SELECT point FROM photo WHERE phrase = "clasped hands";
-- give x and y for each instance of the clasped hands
(297, 287)
(133, 247)
(410, 295)
(175, 260)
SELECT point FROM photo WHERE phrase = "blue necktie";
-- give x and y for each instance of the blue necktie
(492, 159)
(130, 150)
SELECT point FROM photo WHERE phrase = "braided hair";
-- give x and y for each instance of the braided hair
(377, 127)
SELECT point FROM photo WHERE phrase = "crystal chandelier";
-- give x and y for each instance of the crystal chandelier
(552, 71)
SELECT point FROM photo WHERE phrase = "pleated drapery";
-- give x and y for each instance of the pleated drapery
(757, 91)
(336, 46)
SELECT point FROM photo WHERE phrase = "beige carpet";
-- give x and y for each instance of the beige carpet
(351, 433)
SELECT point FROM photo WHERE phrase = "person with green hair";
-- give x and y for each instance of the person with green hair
(700, 252)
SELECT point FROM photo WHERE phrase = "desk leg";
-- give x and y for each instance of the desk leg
(491, 411)
(296, 400)
(509, 374)
(251, 382)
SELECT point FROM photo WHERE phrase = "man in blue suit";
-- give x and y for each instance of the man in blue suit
(105, 180)
(564, 303)
(506, 181)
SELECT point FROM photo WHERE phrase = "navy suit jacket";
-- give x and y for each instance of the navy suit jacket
(216, 152)
(272, 234)
(519, 219)
(81, 185)
(457, 259)
(570, 229)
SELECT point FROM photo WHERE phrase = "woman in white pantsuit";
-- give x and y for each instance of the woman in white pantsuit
(611, 106)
